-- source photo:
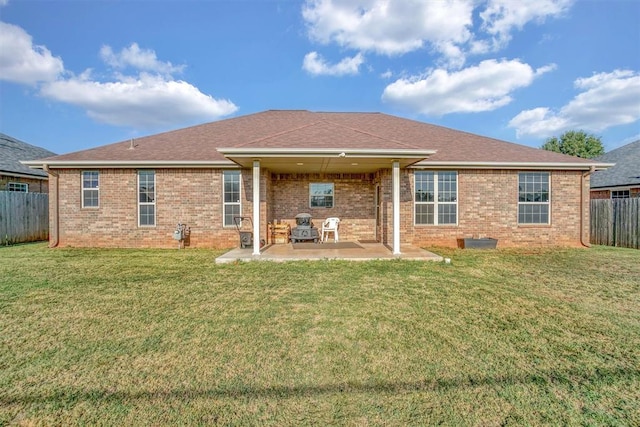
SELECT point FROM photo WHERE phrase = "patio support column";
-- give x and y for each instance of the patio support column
(395, 179)
(256, 207)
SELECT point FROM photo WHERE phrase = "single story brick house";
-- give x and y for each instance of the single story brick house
(621, 181)
(388, 179)
(14, 176)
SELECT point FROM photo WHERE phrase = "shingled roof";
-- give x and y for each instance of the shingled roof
(626, 171)
(304, 130)
(12, 151)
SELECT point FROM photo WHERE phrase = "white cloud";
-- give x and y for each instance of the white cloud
(140, 59)
(149, 98)
(446, 27)
(501, 17)
(388, 27)
(142, 101)
(315, 64)
(23, 62)
(4, 2)
(484, 87)
(606, 100)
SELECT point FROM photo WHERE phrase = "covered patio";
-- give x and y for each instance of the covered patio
(347, 251)
(307, 161)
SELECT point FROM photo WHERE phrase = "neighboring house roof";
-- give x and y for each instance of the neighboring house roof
(12, 151)
(626, 171)
(308, 134)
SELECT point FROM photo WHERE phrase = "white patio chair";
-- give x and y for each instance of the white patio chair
(330, 225)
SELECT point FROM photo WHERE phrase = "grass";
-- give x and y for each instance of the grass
(155, 337)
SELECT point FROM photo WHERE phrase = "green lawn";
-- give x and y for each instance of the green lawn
(156, 337)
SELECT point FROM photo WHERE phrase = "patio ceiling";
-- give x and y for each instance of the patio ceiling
(324, 161)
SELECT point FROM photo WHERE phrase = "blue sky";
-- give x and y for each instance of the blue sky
(79, 74)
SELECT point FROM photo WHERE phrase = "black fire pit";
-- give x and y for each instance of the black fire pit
(304, 229)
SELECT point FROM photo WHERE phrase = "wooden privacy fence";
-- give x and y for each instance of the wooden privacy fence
(24, 217)
(616, 222)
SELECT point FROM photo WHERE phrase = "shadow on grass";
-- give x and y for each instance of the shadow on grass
(71, 396)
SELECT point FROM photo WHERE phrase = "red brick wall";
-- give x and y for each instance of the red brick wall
(35, 185)
(600, 194)
(190, 196)
(606, 194)
(487, 206)
(353, 202)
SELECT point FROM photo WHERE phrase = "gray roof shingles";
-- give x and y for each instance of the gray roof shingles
(626, 171)
(12, 151)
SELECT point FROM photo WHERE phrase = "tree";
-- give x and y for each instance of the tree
(575, 143)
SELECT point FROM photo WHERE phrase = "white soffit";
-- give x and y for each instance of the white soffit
(324, 161)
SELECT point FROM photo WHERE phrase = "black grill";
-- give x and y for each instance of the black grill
(304, 229)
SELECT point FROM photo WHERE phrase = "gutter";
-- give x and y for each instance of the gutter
(24, 175)
(54, 214)
(427, 164)
(106, 164)
(617, 187)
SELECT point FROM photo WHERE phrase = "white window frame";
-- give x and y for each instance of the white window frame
(20, 187)
(91, 189)
(146, 203)
(627, 196)
(231, 204)
(436, 202)
(332, 195)
(535, 203)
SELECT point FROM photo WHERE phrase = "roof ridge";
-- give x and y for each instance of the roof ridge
(622, 150)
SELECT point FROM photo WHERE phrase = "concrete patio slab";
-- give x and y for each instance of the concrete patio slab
(362, 252)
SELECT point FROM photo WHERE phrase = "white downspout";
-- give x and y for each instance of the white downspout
(256, 207)
(395, 178)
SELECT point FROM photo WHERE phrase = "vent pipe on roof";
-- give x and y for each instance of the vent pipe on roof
(131, 145)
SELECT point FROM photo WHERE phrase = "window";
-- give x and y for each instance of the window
(321, 195)
(18, 186)
(436, 198)
(231, 203)
(146, 198)
(533, 197)
(620, 194)
(90, 189)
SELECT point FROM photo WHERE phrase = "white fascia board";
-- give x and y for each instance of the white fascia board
(112, 164)
(512, 165)
(325, 152)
